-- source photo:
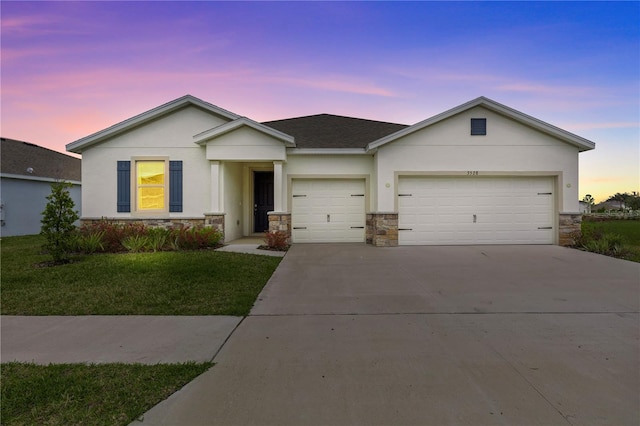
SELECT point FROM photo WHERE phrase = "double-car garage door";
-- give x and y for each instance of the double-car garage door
(475, 210)
(431, 210)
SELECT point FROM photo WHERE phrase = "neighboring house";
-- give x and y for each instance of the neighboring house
(609, 205)
(26, 173)
(480, 173)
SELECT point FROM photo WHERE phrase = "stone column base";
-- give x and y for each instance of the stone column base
(215, 221)
(569, 228)
(382, 229)
(279, 221)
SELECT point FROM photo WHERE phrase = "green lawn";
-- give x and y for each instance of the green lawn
(78, 394)
(628, 230)
(164, 283)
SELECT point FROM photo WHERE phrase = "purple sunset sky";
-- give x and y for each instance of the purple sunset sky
(70, 69)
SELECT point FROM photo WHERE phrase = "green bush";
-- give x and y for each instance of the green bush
(58, 223)
(113, 233)
(136, 243)
(158, 238)
(91, 243)
(596, 240)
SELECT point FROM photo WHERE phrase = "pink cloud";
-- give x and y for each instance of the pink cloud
(337, 83)
(602, 125)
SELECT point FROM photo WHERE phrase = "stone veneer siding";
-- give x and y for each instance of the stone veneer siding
(209, 220)
(569, 228)
(382, 229)
(280, 222)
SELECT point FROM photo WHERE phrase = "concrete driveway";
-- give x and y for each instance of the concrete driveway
(352, 334)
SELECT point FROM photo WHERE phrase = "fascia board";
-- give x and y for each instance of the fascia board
(38, 178)
(327, 151)
(573, 139)
(207, 135)
(81, 144)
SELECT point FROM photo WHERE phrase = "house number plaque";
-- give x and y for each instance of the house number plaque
(472, 173)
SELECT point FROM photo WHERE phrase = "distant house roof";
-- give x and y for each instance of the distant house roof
(333, 131)
(30, 160)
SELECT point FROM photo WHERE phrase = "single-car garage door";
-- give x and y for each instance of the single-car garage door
(475, 210)
(328, 210)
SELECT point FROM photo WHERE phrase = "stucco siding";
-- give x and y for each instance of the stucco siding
(233, 196)
(23, 203)
(169, 131)
(170, 136)
(508, 147)
(245, 144)
(99, 176)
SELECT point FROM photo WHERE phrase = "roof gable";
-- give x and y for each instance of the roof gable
(558, 133)
(33, 161)
(187, 100)
(238, 123)
(334, 131)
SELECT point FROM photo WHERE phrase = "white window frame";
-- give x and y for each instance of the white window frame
(134, 186)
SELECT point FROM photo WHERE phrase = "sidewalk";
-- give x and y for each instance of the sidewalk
(106, 339)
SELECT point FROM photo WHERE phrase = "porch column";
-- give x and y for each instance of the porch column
(277, 186)
(216, 178)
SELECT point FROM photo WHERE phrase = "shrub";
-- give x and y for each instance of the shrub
(136, 243)
(114, 234)
(277, 240)
(91, 242)
(58, 220)
(158, 238)
(596, 240)
(194, 238)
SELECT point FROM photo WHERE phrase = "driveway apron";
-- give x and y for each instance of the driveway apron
(352, 334)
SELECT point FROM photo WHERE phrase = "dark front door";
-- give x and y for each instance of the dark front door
(262, 200)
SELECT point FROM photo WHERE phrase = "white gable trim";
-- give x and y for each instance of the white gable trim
(582, 143)
(81, 144)
(327, 151)
(210, 134)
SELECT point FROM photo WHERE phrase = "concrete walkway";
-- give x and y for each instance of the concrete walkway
(351, 334)
(104, 339)
(250, 245)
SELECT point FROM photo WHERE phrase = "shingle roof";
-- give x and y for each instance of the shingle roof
(334, 131)
(17, 157)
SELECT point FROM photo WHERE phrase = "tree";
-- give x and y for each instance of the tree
(633, 202)
(58, 220)
(589, 199)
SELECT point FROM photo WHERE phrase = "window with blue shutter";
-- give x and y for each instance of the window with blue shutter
(478, 126)
(175, 186)
(124, 187)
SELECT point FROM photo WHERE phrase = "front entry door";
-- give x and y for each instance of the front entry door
(262, 200)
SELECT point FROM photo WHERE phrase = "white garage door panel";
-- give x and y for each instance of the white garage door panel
(328, 210)
(509, 210)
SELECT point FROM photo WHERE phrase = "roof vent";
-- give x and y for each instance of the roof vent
(478, 126)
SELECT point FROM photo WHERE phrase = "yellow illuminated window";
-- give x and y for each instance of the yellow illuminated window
(150, 181)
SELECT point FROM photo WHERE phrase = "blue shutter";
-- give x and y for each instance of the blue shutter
(124, 186)
(175, 186)
(478, 126)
